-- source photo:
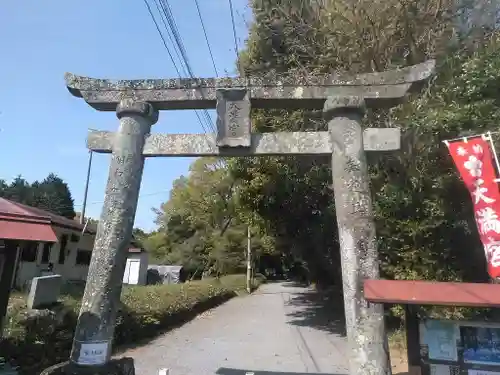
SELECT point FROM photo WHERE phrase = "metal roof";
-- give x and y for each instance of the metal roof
(416, 292)
(11, 211)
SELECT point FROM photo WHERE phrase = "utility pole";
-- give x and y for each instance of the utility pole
(249, 260)
(82, 215)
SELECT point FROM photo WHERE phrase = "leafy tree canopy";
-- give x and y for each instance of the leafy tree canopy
(423, 212)
(51, 194)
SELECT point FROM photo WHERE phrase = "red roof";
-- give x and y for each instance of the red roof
(11, 209)
(18, 221)
(408, 292)
(17, 230)
(21, 222)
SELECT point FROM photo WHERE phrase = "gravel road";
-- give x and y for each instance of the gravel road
(281, 328)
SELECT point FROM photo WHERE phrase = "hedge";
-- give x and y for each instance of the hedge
(145, 312)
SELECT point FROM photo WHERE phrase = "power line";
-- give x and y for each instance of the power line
(234, 30)
(206, 36)
(169, 33)
(175, 31)
(176, 36)
(161, 36)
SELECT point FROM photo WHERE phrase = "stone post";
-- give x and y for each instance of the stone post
(368, 349)
(96, 322)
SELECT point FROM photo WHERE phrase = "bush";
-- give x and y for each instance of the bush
(146, 311)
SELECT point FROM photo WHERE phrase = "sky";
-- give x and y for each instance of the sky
(43, 128)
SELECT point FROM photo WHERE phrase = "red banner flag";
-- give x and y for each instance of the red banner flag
(473, 159)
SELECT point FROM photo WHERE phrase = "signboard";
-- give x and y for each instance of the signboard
(481, 345)
(442, 338)
(459, 347)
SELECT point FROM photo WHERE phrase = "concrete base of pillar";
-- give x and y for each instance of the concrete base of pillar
(122, 366)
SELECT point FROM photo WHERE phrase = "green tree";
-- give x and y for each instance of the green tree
(420, 237)
(201, 225)
(423, 208)
(52, 194)
(20, 191)
(3, 188)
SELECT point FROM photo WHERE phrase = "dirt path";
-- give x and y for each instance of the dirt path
(282, 328)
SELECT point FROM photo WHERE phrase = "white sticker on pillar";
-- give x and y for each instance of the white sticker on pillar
(93, 353)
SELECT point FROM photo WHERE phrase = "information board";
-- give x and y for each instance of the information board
(459, 347)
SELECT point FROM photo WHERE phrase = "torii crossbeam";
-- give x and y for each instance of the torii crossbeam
(343, 100)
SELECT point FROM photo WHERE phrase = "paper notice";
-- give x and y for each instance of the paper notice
(441, 338)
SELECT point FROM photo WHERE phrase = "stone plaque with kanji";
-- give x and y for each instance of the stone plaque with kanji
(233, 118)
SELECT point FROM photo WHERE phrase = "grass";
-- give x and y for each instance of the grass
(145, 312)
(397, 339)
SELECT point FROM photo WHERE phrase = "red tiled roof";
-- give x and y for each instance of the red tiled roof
(16, 212)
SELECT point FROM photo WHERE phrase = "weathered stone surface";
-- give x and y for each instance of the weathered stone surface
(378, 89)
(100, 302)
(368, 350)
(44, 291)
(381, 139)
(279, 143)
(131, 108)
(205, 144)
(233, 118)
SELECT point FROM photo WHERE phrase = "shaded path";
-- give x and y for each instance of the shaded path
(280, 328)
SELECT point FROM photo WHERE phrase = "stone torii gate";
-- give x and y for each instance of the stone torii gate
(343, 100)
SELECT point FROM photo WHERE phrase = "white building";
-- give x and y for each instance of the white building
(47, 241)
(136, 270)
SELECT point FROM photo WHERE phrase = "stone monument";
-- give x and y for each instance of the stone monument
(343, 100)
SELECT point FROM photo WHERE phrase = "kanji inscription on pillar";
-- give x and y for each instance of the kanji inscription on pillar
(233, 118)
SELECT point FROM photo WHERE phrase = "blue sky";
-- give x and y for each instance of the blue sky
(43, 128)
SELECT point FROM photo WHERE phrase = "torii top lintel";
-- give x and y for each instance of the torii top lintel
(378, 89)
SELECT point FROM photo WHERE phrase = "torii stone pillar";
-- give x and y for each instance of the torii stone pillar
(369, 352)
(343, 99)
(95, 328)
